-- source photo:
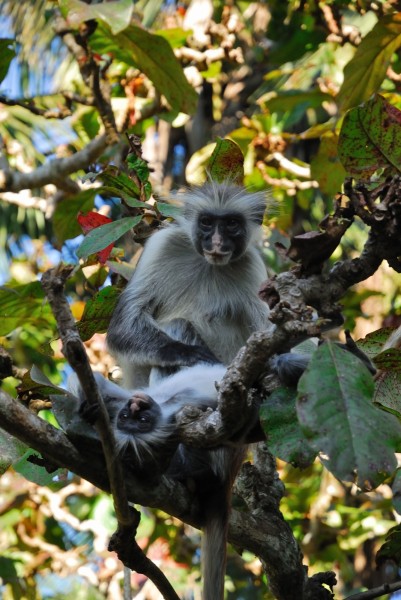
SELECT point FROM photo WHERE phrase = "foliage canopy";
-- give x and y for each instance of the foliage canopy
(105, 108)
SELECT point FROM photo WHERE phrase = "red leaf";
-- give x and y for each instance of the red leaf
(104, 254)
(90, 221)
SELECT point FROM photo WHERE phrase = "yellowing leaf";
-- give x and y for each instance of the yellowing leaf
(367, 69)
(227, 162)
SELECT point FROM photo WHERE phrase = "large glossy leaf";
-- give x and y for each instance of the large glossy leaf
(367, 69)
(285, 437)
(23, 304)
(154, 56)
(103, 236)
(370, 138)
(355, 437)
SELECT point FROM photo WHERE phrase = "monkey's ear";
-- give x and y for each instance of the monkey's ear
(258, 215)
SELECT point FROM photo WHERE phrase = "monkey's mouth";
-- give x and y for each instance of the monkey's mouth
(217, 258)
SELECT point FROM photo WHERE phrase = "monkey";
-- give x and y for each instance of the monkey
(144, 424)
(205, 268)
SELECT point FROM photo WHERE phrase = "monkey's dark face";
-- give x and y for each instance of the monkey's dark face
(220, 238)
(140, 415)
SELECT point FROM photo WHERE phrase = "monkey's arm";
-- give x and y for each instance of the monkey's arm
(139, 338)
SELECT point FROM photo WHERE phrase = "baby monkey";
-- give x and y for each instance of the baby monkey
(144, 424)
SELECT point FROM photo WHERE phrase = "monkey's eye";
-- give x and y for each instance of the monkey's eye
(233, 225)
(143, 418)
(206, 222)
(124, 414)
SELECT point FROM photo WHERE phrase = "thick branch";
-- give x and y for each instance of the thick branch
(52, 443)
(167, 495)
(54, 171)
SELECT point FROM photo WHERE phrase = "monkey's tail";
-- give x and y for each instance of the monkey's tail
(214, 548)
(217, 506)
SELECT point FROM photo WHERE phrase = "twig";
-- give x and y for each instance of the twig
(47, 113)
(53, 282)
(383, 590)
(123, 540)
(91, 74)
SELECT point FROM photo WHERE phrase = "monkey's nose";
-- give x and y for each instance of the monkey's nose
(139, 401)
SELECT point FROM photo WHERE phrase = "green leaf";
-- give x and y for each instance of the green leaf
(33, 472)
(154, 56)
(284, 434)
(290, 100)
(150, 12)
(22, 304)
(65, 222)
(7, 53)
(97, 313)
(367, 69)
(388, 385)
(370, 138)
(138, 165)
(391, 549)
(37, 382)
(117, 14)
(11, 450)
(226, 162)
(124, 269)
(168, 210)
(340, 420)
(107, 234)
(373, 343)
(175, 36)
(118, 183)
(326, 167)
(389, 360)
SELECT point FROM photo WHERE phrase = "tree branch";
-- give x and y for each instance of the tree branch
(123, 540)
(382, 590)
(54, 171)
(47, 113)
(90, 70)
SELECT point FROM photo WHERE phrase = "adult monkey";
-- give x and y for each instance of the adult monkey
(205, 269)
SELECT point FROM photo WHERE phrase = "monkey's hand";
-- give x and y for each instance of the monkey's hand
(89, 412)
(177, 353)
